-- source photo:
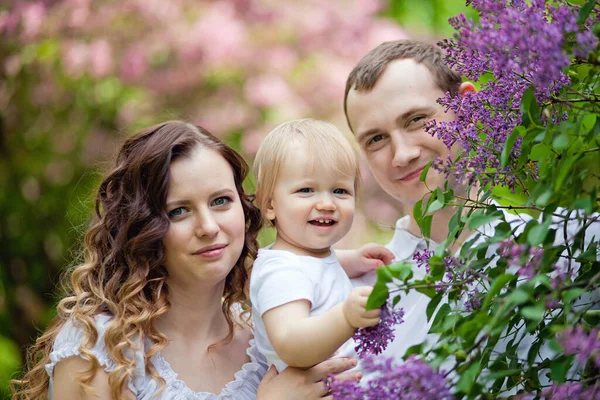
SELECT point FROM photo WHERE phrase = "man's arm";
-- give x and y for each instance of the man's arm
(303, 341)
(369, 257)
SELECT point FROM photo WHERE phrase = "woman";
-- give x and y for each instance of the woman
(156, 309)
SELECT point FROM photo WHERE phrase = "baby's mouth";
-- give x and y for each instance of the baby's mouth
(322, 222)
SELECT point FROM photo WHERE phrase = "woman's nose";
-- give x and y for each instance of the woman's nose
(206, 225)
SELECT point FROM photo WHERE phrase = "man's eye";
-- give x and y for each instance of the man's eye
(176, 212)
(221, 201)
(418, 118)
(305, 190)
(375, 139)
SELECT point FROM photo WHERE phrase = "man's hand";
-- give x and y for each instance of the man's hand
(369, 257)
(354, 308)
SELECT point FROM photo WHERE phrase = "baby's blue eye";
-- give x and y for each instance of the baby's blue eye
(305, 190)
(340, 191)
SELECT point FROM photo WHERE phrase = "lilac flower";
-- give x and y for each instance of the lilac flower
(374, 339)
(519, 43)
(570, 391)
(584, 345)
(529, 261)
(414, 379)
(422, 258)
(473, 301)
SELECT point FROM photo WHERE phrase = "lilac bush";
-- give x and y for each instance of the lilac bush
(515, 310)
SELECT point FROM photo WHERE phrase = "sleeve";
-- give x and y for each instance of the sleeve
(70, 339)
(278, 281)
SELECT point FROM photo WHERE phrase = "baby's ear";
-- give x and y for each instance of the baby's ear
(270, 210)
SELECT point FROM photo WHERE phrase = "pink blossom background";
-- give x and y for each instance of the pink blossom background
(236, 67)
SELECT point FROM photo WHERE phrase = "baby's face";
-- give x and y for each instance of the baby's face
(311, 208)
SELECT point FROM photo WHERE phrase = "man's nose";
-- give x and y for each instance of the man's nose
(405, 150)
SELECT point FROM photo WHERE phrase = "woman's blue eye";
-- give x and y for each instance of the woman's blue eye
(176, 212)
(221, 201)
(416, 119)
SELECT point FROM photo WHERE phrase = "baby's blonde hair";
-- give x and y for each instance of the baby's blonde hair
(328, 149)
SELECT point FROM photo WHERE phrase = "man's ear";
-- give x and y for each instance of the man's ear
(270, 210)
(466, 87)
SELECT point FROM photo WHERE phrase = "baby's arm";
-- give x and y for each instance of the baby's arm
(303, 341)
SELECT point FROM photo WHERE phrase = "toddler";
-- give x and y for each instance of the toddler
(304, 306)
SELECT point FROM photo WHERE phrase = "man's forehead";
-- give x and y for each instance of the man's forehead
(403, 85)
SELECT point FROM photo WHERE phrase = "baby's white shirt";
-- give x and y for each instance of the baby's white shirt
(280, 277)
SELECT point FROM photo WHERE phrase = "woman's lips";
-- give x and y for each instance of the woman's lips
(211, 251)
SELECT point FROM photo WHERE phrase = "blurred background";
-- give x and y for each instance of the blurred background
(77, 76)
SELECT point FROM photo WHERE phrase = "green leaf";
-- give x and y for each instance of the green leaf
(503, 374)
(435, 205)
(423, 175)
(479, 218)
(416, 349)
(440, 316)
(558, 369)
(534, 313)
(380, 292)
(468, 378)
(561, 142)
(569, 295)
(499, 283)
(401, 270)
(437, 267)
(433, 303)
(518, 297)
(564, 169)
(585, 11)
(538, 233)
(510, 141)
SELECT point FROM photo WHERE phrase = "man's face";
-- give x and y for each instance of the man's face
(388, 124)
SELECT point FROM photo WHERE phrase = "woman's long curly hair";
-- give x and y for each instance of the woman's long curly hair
(123, 272)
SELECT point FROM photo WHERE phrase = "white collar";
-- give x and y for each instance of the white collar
(404, 244)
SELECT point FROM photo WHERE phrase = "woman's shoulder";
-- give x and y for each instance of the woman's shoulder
(74, 335)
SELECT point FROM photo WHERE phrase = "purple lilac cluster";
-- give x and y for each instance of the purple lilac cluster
(521, 44)
(454, 272)
(422, 258)
(373, 340)
(412, 380)
(529, 261)
(571, 391)
(575, 340)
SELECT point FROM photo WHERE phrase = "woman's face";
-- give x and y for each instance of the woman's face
(207, 227)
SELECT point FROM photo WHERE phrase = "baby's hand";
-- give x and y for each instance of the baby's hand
(354, 308)
(369, 257)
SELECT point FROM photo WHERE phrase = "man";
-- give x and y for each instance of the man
(390, 94)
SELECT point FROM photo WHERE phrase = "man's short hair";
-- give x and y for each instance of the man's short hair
(329, 150)
(370, 68)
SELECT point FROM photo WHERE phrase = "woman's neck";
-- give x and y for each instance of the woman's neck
(195, 313)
